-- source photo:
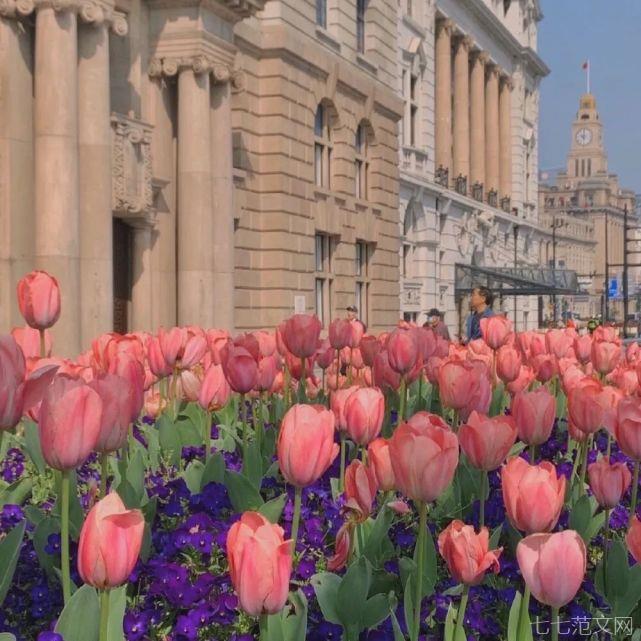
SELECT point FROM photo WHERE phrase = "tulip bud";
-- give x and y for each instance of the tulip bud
(39, 299)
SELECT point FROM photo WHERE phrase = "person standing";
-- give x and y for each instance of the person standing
(352, 315)
(481, 304)
(436, 323)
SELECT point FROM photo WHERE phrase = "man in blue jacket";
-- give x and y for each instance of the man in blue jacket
(481, 303)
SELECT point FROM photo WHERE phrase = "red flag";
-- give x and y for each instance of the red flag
(585, 65)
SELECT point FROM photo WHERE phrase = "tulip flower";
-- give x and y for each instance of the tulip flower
(508, 363)
(402, 350)
(533, 495)
(457, 382)
(487, 441)
(300, 334)
(584, 407)
(627, 432)
(361, 487)
(633, 539)
(583, 348)
(605, 355)
(522, 382)
(364, 412)
(260, 564)
(544, 366)
(495, 330)
(369, 346)
(384, 376)
(305, 449)
(559, 342)
(553, 567)
(609, 482)
(339, 333)
(534, 413)
(467, 553)
(39, 301)
(342, 548)
(378, 457)
(240, 368)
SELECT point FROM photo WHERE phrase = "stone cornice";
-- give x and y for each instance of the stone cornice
(231, 10)
(89, 11)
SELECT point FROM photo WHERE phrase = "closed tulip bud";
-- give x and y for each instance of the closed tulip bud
(360, 488)
(423, 420)
(172, 344)
(609, 482)
(116, 411)
(260, 564)
(609, 399)
(542, 556)
(110, 542)
(39, 299)
(487, 441)
(378, 458)
(337, 405)
(325, 355)
(240, 368)
(339, 333)
(300, 334)
(266, 342)
(402, 350)
(70, 421)
(584, 406)
(583, 348)
(195, 348)
(457, 381)
(214, 391)
(533, 495)
(217, 339)
(424, 459)
(188, 385)
(156, 359)
(384, 376)
(467, 554)
(633, 539)
(559, 342)
(605, 355)
(364, 413)
(625, 378)
(356, 331)
(369, 346)
(544, 366)
(627, 429)
(508, 363)
(534, 413)
(155, 404)
(495, 330)
(267, 369)
(306, 445)
(342, 548)
(132, 371)
(522, 382)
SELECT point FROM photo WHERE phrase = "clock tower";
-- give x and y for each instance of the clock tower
(587, 157)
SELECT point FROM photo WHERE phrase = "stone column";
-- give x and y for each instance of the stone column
(443, 96)
(94, 152)
(492, 129)
(223, 198)
(197, 298)
(477, 118)
(462, 108)
(505, 138)
(57, 246)
(142, 290)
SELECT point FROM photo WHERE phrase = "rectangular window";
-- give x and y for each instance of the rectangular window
(405, 265)
(413, 114)
(589, 166)
(323, 277)
(361, 6)
(318, 164)
(321, 13)
(362, 272)
(322, 147)
(361, 163)
(576, 167)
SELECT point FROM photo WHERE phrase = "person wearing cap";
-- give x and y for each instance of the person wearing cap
(436, 323)
(352, 315)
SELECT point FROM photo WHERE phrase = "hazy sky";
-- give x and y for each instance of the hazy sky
(607, 32)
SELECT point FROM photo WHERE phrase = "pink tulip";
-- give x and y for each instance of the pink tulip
(583, 348)
(267, 369)
(584, 407)
(633, 539)
(325, 355)
(39, 299)
(369, 346)
(467, 553)
(378, 457)
(70, 422)
(627, 429)
(357, 329)
(605, 355)
(306, 445)
(300, 334)
(609, 482)
(125, 366)
(29, 341)
(214, 391)
(496, 330)
(384, 376)
(110, 542)
(116, 411)
(508, 363)
(522, 382)
(364, 412)
(481, 395)
(609, 399)
(361, 487)
(487, 441)
(154, 405)
(342, 548)
(240, 368)
(534, 413)
(337, 405)
(533, 494)
(424, 459)
(260, 564)
(457, 381)
(402, 350)
(559, 342)
(542, 556)
(339, 333)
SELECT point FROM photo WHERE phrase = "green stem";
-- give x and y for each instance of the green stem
(401, 404)
(298, 495)
(341, 480)
(525, 605)
(243, 422)
(364, 454)
(584, 463)
(460, 615)
(64, 537)
(302, 392)
(43, 348)
(532, 454)
(262, 626)
(555, 624)
(258, 429)
(482, 499)
(635, 491)
(606, 536)
(361, 539)
(287, 390)
(338, 367)
(104, 615)
(104, 473)
(207, 434)
(420, 543)
(419, 402)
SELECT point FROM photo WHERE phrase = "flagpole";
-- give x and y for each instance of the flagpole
(588, 76)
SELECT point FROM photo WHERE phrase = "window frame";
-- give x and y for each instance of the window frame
(363, 252)
(361, 10)
(361, 162)
(324, 246)
(323, 147)
(321, 14)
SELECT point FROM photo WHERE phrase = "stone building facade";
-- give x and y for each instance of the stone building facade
(220, 162)
(582, 213)
(468, 150)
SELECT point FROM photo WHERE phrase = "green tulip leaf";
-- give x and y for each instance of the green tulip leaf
(9, 553)
(32, 445)
(193, 476)
(169, 439)
(496, 536)
(7, 636)
(242, 494)
(214, 471)
(326, 587)
(513, 620)
(273, 509)
(253, 464)
(429, 566)
(16, 493)
(294, 622)
(374, 544)
(47, 526)
(375, 611)
(353, 591)
(396, 626)
(80, 618)
(581, 516)
(617, 573)
(117, 605)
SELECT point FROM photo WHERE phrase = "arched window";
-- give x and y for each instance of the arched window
(361, 147)
(322, 147)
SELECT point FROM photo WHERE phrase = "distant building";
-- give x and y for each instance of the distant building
(582, 214)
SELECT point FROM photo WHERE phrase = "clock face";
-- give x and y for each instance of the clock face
(583, 136)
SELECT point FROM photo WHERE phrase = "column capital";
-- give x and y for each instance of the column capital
(482, 57)
(507, 82)
(199, 64)
(464, 41)
(444, 25)
(493, 71)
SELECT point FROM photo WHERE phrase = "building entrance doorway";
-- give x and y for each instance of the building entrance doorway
(122, 265)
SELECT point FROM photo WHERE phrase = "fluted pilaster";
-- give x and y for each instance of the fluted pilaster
(443, 105)
(477, 118)
(492, 129)
(462, 107)
(505, 138)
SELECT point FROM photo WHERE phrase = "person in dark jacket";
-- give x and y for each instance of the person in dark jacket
(481, 303)
(437, 324)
